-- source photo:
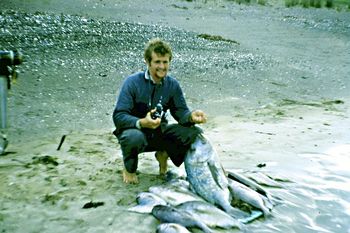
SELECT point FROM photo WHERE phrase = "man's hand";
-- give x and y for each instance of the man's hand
(148, 122)
(198, 117)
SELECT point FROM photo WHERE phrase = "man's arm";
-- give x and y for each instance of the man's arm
(178, 108)
(181, 112)
(122, 116)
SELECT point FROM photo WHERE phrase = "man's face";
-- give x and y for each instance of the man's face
(159, 66)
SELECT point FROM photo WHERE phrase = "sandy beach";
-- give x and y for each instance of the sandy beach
(275, 87)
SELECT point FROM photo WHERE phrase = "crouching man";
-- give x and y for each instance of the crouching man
(141, 125)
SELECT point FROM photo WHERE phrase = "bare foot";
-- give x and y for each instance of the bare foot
(130, 178)
(162, 157)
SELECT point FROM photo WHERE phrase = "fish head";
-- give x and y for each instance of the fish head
(200, 151)
(146, 198)
(171, 228)
(163, 212)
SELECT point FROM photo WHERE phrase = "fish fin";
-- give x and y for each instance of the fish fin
(220, 178)
(267, 202)
(236, 213)
(248, 182)
(255, 215)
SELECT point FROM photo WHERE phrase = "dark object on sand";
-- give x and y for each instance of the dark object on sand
(260, 165)
(46, 159)
(92, 204)
(61, 142)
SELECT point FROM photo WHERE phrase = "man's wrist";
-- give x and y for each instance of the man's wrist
(138, 124)
(190, 118)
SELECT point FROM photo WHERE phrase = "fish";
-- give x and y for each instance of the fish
(269, 200)
(266, 180)
(175, 192)
(171, 228)
(243, 193)
(207, 177)
(210, 214)
(179, 183)
(248, 182)
(169, 214)
(175, 174)
(146, 201)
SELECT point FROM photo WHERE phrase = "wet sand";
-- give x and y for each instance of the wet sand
(278, 104)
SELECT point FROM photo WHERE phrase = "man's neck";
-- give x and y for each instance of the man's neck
(155, 81)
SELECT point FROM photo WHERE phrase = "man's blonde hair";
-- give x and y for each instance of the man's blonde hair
(158, 46)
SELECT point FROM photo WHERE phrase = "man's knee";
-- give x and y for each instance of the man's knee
(132, 142)
(132, 138)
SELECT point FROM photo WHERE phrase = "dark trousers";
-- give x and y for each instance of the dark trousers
(175, 139)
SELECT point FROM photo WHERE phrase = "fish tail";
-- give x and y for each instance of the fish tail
(206, 229)
(203, 227)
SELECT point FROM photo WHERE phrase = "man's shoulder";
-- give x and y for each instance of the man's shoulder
(172, 83)
(137, 75)
(172, 79)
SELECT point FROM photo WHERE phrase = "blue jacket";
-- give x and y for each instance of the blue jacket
(139, 95)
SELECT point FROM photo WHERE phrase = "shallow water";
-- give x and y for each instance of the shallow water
(311, 168)
(317, 199)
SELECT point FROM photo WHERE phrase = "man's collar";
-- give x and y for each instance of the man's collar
(149, 77)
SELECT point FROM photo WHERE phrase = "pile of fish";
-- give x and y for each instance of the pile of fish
(204, 198)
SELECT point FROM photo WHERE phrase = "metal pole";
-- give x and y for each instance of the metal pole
(3, 113)
(3, 103)
(8, 61)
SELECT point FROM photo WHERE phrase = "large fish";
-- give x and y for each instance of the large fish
(209, 214)
(207, 177)
(169, 214)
